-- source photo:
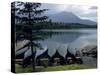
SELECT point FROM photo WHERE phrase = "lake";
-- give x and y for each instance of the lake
(69, 36)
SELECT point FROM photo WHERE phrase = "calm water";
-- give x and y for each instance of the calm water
(69, 36)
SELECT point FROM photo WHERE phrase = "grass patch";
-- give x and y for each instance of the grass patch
(28, 69)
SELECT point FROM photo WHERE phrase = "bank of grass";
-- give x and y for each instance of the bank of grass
(28, 69)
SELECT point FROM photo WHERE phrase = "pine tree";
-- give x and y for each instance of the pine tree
(30, 15)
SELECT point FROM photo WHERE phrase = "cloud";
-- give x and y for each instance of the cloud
(53, 8)
(84, 12)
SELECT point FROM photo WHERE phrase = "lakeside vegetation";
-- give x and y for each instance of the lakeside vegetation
(19, 69)
(57, 25)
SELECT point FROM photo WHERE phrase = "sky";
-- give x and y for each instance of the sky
(84, 12)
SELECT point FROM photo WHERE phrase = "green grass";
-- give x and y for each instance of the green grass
(19, 69)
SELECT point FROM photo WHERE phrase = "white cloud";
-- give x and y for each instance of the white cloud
(84, 12)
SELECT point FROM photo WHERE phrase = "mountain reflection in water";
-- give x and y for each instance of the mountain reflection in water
(54, 37)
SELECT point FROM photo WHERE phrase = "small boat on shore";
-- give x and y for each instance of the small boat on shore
(21, 51)
(39, 51)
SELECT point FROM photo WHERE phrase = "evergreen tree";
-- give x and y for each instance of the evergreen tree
(29, 15)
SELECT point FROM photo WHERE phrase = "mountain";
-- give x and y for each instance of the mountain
(68, 17)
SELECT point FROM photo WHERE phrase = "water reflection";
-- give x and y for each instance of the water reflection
(53, 37)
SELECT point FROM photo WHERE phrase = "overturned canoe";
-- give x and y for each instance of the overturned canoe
(52, 49)
(62, 50)
(21, 51)
(38, 52)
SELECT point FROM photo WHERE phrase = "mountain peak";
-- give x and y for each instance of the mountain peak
(69, 17)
